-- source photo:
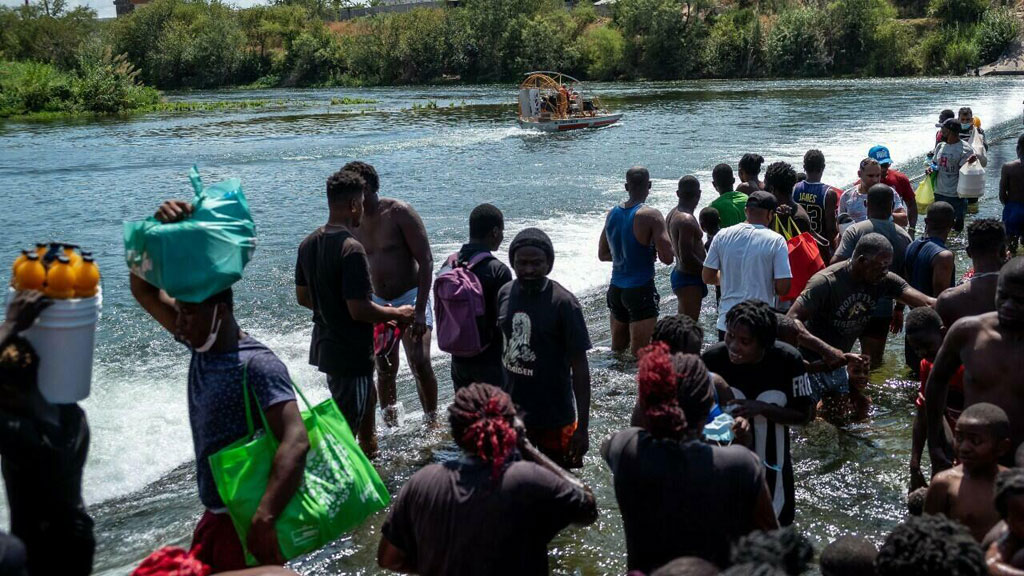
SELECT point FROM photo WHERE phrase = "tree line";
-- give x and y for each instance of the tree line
(171, 44)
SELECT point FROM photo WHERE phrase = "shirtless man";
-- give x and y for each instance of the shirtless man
(402, 272)
(986, 246)
(686, 235)
(989, 347)
(633, 235)
(1011, 194)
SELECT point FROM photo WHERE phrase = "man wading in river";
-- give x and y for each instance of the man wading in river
(633, 235)
(402, 272)
(223, 357)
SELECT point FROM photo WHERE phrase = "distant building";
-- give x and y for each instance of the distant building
(127, 6)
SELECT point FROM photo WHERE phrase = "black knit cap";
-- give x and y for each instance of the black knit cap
(532, 237)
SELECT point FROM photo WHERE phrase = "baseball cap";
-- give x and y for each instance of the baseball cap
(880, 154)
(761, 199)
(945, 115)
(952, 124)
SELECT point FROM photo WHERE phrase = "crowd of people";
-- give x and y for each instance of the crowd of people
(709, 437)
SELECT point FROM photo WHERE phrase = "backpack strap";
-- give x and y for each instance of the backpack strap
(478, 258)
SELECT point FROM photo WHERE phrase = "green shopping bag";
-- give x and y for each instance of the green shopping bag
(925, 193)
(339, 490)
(202, 255)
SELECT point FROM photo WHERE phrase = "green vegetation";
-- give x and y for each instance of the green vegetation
(349, 101)
(60, 61)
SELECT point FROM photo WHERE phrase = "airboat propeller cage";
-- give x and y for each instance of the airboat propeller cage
(562, 93)
(554, 102)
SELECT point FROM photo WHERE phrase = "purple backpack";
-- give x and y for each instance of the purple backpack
(458, 302)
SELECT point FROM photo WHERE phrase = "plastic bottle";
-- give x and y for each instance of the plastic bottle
(60, 279)
(87, 278)
(31, 275)
(21, 259)
(52, 252)
(69, 251)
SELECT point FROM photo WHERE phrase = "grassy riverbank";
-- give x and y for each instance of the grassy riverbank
(58, 62)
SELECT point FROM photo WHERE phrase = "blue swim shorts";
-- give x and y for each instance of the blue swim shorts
(1013, 218)
(680, 280)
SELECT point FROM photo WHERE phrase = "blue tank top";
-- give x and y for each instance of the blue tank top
(632, 262)
(811, 195)
(918, 264)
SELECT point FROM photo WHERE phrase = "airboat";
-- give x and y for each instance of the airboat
(554, 102)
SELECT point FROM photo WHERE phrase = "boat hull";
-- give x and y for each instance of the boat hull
(571, 123)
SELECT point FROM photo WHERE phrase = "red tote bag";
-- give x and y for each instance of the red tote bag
(804, 257)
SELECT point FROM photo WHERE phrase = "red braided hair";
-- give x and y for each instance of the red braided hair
(659, 392)
(481, 417)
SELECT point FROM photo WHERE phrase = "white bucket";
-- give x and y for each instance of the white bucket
(64, 337)
(972, 181)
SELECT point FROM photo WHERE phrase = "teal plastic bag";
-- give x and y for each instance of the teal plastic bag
(202, 255)
(339, 490)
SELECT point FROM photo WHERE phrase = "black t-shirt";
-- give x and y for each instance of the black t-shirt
(542, 331)
(452, 519)
(493, 274)
(779, 378)
(682, 498)
(333, 266)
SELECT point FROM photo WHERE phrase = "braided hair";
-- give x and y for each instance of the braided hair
(481, 418)
(1009, 483)
(758, 317)
(680, 332)
(674, 390)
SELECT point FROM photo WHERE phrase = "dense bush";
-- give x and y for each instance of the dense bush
(733, 46)
(662, 36)
(603, 50)
(854, 26)
(957, 12)
(797, 44)
(894, 50)
(998, 29)
(104, 86)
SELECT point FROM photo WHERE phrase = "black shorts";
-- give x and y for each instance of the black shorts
(350, 394)
(633, 304)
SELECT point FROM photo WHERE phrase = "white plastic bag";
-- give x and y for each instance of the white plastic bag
(972, 181)
(977, 143)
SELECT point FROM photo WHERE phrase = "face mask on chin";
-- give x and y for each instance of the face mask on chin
(214, 330)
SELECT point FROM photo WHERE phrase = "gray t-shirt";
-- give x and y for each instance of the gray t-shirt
(950, 158)
(839, 307)
(897, 236)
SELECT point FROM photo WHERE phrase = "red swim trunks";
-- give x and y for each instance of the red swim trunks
(955, 397)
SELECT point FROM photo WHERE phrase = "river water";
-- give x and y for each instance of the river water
(446, 149)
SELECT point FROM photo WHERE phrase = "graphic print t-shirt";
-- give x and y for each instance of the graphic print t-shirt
(779, 378)
(542, 330)
(839, 307)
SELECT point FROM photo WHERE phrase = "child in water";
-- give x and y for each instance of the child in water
(965, 492)
(1008, 550)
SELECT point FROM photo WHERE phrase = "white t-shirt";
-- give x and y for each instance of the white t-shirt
(750, 259)
(855, 204)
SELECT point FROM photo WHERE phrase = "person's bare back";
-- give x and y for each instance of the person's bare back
(993, 364)
(393, 268)
(972, 298)
(965, 499)
(687, 241)
(1011, 182)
